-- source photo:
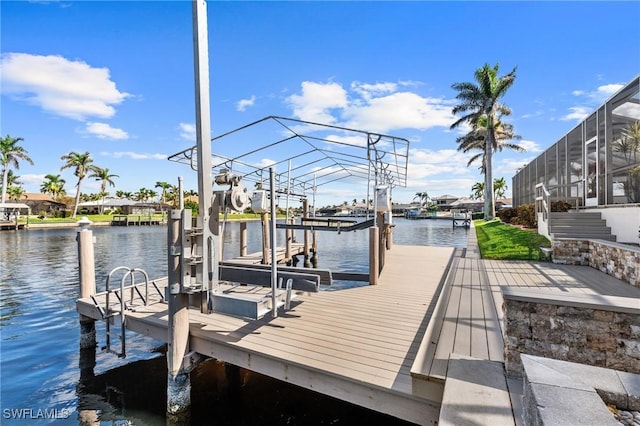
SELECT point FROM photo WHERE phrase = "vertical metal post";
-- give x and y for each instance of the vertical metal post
(207, 240)
(274, 256)
(305, 214)
(374, 257)
(86, 263)
(243, 238)
(178, 385)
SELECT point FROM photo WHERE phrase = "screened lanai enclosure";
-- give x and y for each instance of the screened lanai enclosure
(597, 163)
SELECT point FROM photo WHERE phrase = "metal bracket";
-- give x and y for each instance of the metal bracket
(191, 360)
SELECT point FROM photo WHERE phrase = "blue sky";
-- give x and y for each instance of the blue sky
(116, 78)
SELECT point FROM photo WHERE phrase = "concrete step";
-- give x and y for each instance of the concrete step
(590, 222)
(580, 229)
(585, 236)
(579, 225)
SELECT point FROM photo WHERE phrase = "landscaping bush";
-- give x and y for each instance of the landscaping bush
(526, 216)
(507, 214)
(477, 215)
(560, 206)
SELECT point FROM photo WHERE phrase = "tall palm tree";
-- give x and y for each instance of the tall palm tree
(12, 179)
(15, 192)
(82, 165)
(476, 101)
(105, 177)
(423, 198)
(478, 190)
(53, 185)
(499, 188)
(476, 138)
(10, 153)
(166, 187)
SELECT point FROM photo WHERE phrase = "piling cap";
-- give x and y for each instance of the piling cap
(84, 222)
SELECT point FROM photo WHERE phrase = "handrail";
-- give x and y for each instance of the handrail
(542, 201)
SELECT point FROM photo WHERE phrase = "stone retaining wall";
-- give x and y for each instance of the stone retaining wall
(615, 259)
(604, 334)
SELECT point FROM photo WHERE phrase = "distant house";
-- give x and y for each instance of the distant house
(343, 210)
(42, 204)
(444, 202)
(123, 205)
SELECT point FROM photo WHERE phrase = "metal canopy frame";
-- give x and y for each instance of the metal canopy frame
(305, 155)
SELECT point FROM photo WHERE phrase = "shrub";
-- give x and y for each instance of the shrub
(507, 214)
(560, 206)
(477, 215)
(526, 216)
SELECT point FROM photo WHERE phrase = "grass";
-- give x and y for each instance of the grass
(497, 240)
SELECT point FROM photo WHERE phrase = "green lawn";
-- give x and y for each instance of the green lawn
(497, 240)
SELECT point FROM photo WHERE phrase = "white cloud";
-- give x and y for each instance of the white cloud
(367, 91)
(32, 179)
(134, 155)
(608, 90)
(243, 104)
(317, 100)
(508, 167)
(578, 113)
(400, 110)
(59, 86)
(377, 107)
(530, 146)
(105, 131)
(188, 131)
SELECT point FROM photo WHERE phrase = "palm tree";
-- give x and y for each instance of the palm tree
(105, 177)
(12, 179)
(10, 153)
(53, 185)
(423, 198)
(15, 192)
(82, 165)
(499, 187)
(478, 190)
(166, 187)
(475, 140)
(482, 100)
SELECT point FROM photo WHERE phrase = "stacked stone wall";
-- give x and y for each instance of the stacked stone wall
(591, 336)
(617, 260)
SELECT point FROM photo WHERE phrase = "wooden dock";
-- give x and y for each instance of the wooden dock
(134, 220)
(357, 345)
(387, 347)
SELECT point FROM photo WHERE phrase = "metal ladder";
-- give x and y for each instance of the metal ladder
(108, 314)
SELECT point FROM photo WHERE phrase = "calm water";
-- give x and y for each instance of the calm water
(39, 356)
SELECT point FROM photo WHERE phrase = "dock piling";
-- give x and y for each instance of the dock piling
(87, 272)
(178, 381)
